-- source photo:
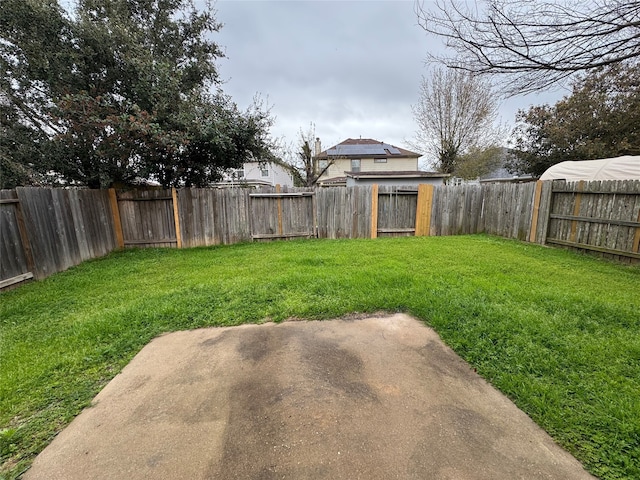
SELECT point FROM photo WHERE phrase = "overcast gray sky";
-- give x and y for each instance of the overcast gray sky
(353, 68)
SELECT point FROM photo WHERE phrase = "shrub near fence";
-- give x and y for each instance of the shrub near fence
(44, 231)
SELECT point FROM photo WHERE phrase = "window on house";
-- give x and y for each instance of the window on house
(322, 164)
(355, 165)
(265, 172)
(379, 160)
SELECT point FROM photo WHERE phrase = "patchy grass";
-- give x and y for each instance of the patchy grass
(557, 332)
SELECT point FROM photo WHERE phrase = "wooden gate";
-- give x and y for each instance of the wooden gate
(397, 212)
(148, 218)
(401, 212)
(282, 215)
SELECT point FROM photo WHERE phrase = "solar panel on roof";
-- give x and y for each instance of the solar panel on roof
(375, 149)
(364, 149)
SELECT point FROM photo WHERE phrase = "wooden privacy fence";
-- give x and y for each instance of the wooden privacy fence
(44, 231)
(602, 217)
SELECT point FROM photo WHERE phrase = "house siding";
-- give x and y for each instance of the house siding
(392, 165)
(277, 174)
(397, 182)
(369, 165)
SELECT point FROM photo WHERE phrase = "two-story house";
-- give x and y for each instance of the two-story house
(363, 161)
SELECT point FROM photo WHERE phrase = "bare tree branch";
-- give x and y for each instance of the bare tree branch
(533, 45)
(300, 159)
(455, 113)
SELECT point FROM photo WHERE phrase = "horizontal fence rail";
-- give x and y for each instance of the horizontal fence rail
(43, 230)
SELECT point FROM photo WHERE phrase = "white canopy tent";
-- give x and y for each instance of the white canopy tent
(618, 168)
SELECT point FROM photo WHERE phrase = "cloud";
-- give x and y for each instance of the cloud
(353, 68)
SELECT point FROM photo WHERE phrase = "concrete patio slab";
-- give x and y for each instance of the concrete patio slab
(374, 398)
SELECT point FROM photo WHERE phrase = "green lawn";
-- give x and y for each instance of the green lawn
(559, 333)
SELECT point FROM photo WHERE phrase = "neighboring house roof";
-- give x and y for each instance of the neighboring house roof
(501, 174)
(333, 182)
(241, 184)
(365, 147)
(405, 174)
(618, 168)
(363, 176)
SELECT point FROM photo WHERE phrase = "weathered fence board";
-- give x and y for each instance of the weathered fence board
(14, 261)
(213, 216)
(498, 209)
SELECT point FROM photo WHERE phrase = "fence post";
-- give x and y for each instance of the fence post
(423, 210)
(546, 204)
(279, 204)
(536, 211)
(176, 217)
(374, 211)
(115, 211)
(576, 211)
(636, 237)
(314, 208)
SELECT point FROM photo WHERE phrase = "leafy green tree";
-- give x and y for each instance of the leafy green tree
(29, 68)
(131, 90)
(34, 71)
(598, 120)
(478, 162)
(21, 149)
(218, 137)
